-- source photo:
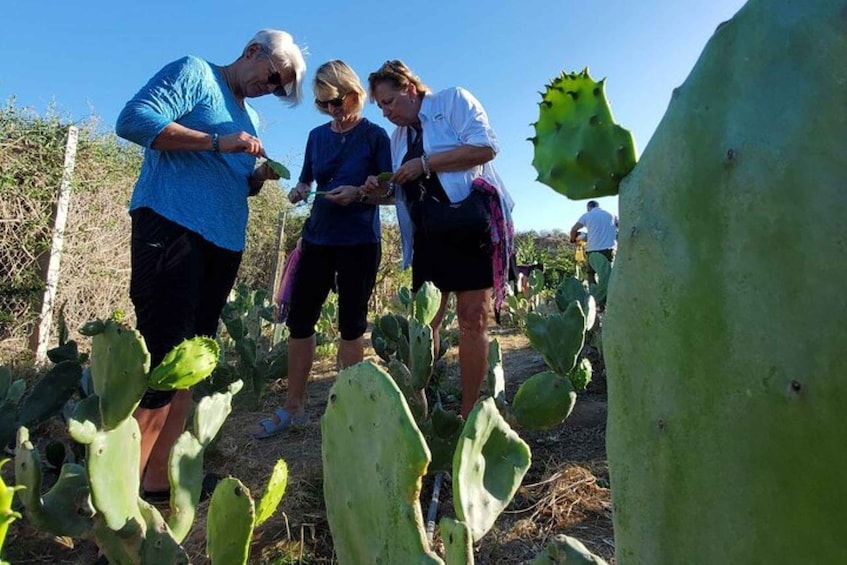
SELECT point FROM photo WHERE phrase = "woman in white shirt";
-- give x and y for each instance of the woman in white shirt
(442, 144)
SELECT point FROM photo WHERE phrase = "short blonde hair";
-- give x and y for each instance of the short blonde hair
(398, 75)
(335, 79)
(280, 45)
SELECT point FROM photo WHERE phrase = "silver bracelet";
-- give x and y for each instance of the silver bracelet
(425, 163)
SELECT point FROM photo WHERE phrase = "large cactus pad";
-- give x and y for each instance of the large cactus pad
(725, 332)
(119, 365)
(488, 467)
(579, 150)
(373, 459)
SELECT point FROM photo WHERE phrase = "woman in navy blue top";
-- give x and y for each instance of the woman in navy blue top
(341, 243)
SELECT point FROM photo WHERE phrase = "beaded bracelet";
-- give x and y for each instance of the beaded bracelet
(425, 163)
(215, 147)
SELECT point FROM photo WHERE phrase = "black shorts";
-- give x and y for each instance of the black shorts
(179, 285)
(352, 268)
(455, 264)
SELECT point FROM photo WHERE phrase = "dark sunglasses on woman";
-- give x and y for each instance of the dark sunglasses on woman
(324, 104)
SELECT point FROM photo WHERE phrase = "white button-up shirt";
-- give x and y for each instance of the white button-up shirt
(449, 119)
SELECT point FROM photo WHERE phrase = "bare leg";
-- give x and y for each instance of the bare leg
(160, 428)
(301, 355)
(472, 313)
(350, 352)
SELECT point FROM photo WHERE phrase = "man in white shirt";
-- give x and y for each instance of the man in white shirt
(602, 230)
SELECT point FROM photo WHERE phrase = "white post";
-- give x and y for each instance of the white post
(42, 334)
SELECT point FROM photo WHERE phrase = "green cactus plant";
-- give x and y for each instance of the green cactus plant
(7, 515)
(99, 500)
(727, 419)
(372, 488)
(230, 522)
(566, 550)
(544, 400)
(249, 318)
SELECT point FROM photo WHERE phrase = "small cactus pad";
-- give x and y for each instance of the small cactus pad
(566, 550)
(159, 545)
(421, 353)
(543, 401)
(211, 412)
(229, 525)
(427, 302)
(558, 337)
(113, 461)
(7, 515)
(495, 380)
(488, 467)
(119, 365)
(273, 492)
(372, 488)
(64, 510)
(579, 150)
(186, 364)
(185, 473)
(581, 374)
(458, 545)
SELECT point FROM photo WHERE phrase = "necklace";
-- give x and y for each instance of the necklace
(343, 131)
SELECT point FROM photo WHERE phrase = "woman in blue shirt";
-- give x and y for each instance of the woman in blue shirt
(341, 240)
(189, 207)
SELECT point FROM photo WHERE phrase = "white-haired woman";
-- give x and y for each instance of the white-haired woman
(341, 240)
(189, 207)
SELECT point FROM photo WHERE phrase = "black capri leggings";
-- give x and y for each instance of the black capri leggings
(351, 269)
(179, 285)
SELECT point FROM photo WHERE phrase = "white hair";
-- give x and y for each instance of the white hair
(280, 45)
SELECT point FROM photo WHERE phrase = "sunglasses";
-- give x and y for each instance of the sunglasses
(335, 103)
(275, 79)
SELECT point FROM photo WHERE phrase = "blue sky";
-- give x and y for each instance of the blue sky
(90, 57)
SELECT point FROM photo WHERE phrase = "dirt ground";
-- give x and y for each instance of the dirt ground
(566, 491)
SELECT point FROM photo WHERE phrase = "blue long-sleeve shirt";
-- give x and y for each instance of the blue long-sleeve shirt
(203, 191)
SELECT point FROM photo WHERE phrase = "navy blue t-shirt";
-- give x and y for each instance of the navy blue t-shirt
(334, 159)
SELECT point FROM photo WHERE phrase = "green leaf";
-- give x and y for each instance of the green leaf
(279, 169)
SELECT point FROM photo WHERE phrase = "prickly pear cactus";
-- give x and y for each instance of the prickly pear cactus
(488, 467)
(229, 525)
(579, 150)
(725, 331)
(544, 400)
(7, 515)
(372, 488)
(566, 550)
(458, 543)
(186, 364)
(119, 365)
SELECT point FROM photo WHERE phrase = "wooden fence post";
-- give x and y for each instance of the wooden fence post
(41, 335)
